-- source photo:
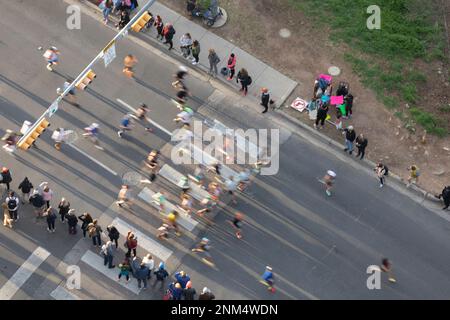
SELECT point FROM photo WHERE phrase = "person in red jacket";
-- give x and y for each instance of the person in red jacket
(231, 65)
(131, 243)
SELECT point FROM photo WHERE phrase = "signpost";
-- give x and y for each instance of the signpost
(53, 108)
(109, 53)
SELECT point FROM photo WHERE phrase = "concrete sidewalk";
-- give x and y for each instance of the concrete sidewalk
(262, 74)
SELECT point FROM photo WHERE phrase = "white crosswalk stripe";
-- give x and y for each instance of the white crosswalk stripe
(25, 271)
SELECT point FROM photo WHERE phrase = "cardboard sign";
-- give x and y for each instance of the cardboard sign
(335, 100)
(299, 104)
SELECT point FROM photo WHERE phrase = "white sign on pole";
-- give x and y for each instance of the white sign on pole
(109, 54)
(53, 108)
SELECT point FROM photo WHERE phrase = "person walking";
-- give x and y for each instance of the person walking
(72, 221)
(142, 275)
(12, 201)
(108, 254)
(123, 197)
(51, 218)
(161, 274)
(445, 195)
(414, 174)
(382, 171)
(25, 186)
(189, 292)
(195, 52)
(6, 177)
(128, 64)
(322, 112)
(7, 219)
(64, 207)
(149, 263)
(125, 125)
(268, 279)
(95, 231)
(37, 201)
(113, 234)
(231, 65)
(86, 220)
(47, 193)
(350, 136)
(328, 180)
(168, 33)
(159, 27)
(131, 243)
(265, 99)
(92, 132)
(186, 45)
(361, 143)
(59, 136)
(206, 294)
(245, 80)
(52, 57)
(348, 100)
(214, 60)
(107, 6)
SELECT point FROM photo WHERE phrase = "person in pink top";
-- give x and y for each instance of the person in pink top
(46, 192)
(231, 65)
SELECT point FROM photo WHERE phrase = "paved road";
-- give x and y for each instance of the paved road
(319, 247)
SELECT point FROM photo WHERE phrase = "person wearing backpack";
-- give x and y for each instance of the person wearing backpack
(161, 274)
(13, 205)
(25, 186)
(245, 80)
(382, 171)
(113, 234)
(51, 218)
(94, 232)
(168, 33)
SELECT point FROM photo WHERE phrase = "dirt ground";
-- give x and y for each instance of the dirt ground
(254, 26)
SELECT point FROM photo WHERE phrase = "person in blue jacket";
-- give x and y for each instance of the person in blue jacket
(176, 290)
(182, 278)
(268, 278)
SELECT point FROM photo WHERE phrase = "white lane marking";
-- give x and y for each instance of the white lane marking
(148, 119)
(61, 293)
(93, 159)
(144, 241)
(185, 221)
(23, 273)
(96, 261)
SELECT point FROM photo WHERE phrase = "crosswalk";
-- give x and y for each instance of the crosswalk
(167, 187)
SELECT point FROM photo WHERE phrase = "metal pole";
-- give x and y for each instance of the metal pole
(123, 33)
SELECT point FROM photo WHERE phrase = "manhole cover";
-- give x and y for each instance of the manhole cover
(285, 33)
(334, 71)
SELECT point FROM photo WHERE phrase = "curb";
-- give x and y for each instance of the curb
(203, 71)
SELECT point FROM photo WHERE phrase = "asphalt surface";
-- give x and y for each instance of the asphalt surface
(319, 247)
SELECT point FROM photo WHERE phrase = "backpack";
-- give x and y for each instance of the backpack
(250, 80)
(12, 203)
(91, 231)
(386, 171)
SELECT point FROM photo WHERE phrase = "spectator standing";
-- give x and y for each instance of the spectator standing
(206, 294)
(245, 80)
(265, 98)
(64, 207)
(186, 45)
(322, 112)
(350, 136)
(51, 218)
(195, 52)
(95, 231)
(168, 33)
(414, 174)
(72, 221)
(108, 254)
(231, 65)
(25, 186)
(382, 171)
(189, 293)
(113, 234)
(361, 144)
(12, 202)
(6, 177)
(86, 220)
(159, 27)
(214, 60)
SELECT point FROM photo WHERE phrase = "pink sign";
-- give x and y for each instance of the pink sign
(326, 77)
(335, 100)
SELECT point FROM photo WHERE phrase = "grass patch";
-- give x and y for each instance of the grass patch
(444, 108)
(429, 122)
(379, 57)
